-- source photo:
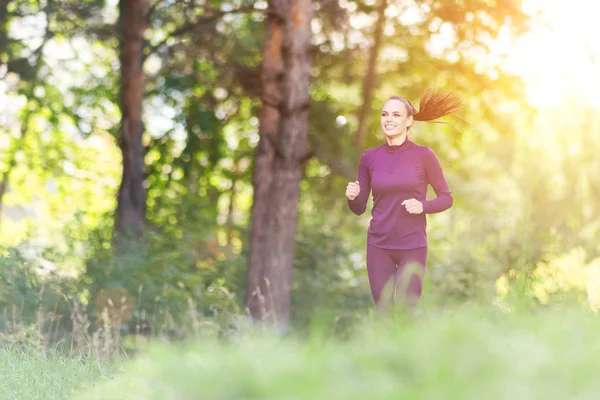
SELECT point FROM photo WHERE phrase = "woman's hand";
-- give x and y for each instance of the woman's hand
(413, 206)
(352, 190)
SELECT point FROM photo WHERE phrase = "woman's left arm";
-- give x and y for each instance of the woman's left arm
(437, 180)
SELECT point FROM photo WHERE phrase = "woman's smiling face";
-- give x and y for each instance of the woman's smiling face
(395, 118)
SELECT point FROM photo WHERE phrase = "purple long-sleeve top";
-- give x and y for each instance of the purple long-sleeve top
(395, 174)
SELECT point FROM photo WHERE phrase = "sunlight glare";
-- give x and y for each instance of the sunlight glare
(560, 57)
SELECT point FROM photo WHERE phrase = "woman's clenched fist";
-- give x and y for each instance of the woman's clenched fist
(352, 190)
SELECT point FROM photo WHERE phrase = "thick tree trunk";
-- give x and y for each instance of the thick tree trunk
(131, 206)
(290, 152)
(276, 241)
(272, 71)
(370, 78)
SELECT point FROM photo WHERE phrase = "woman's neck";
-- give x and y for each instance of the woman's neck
(396, 140)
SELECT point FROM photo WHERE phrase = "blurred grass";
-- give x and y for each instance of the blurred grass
(463, 352)
(48, 375)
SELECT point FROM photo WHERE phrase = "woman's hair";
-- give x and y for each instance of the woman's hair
(432, 105)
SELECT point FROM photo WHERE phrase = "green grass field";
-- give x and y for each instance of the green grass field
(45, 376)
(454, 353)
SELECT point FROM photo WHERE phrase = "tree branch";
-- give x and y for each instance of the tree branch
(152, 9)
(191, 25)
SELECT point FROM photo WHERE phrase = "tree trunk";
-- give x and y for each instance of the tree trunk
(370, 78)
(3, 30)
(275, 243)
(235, 178)
(131, 206)
(271, 74)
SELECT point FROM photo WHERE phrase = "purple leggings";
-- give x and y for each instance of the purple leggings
(406, 267)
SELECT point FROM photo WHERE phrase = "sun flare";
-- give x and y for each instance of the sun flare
(560, 57)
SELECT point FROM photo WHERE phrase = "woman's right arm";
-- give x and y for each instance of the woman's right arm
(359, 204)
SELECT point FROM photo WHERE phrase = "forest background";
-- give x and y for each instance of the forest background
(158, 159)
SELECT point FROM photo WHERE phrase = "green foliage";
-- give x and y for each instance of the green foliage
(19, 288)
(453, 353)
(34, 303)
(155, 287)
(524, 223)
(327, 276)
(526, 196)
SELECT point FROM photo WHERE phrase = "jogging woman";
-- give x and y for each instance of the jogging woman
(398, 173)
